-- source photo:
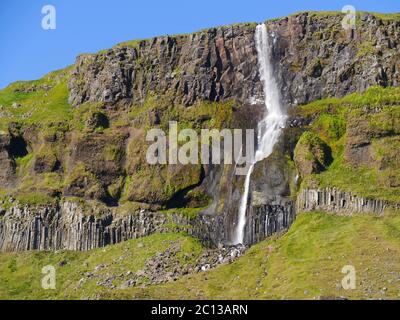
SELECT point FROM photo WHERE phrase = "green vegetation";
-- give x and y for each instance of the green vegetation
(20, 273)
(312, 154)
(366, 48)
(38, 102)
(132, 43)
(387, 16)
(204, 114)
(304, 263)
(382, 16)
(371, 118)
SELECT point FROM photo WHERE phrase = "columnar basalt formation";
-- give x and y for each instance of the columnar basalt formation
(335, 200)
(268, 219)
(314, 58)
(70, 226)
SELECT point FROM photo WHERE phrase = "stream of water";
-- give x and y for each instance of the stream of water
(269, 128)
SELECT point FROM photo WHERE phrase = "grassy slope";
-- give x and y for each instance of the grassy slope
(330, 124)
(42, 106)
(20, 273)
(304, 263)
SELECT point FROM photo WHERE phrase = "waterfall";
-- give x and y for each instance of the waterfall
(269, 128)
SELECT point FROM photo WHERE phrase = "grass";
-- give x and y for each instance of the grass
(20, 273)
(361, 180)
(304, 263)
(377, 109)
(387, 16)
(382, 16)
(40, 102)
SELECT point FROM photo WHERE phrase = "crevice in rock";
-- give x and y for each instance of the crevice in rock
(178, 200)
(17, 147)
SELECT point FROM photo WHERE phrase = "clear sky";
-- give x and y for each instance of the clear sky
(28, 52)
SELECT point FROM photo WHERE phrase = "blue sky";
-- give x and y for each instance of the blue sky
(28, 52)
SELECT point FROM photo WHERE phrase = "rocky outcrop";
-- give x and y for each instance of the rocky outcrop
(119, 93)
(71, 226)
(7, 164)
(268, 219)
(167, 266)
(316, 58)
(312, 154)
(335, 200)
(215, 64)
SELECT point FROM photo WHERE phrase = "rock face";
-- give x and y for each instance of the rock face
(268, 219)
(73, 227)
(316, 58)
(334, 200)
(70, 226)
(66, 227)
(215, 64)
(7, 165)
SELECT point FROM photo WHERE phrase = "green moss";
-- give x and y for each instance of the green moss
(387, 120)
(23, 162)
(366, 48)
(35, 198)
(387, 16)
(131, 43)
(373, 97)
(115, 188)
(361, 180)
(82, 113)
(78, 173)
(387, 156)
(330, 127)
(312, 154)
(189, 213)
(375, 114)
(112, 153)
(201, 115)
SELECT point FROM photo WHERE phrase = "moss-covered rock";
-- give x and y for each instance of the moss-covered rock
(312, 154)
(45, 162)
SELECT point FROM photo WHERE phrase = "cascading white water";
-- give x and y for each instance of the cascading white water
(270, 127)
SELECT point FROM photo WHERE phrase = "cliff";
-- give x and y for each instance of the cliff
(79, 133)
